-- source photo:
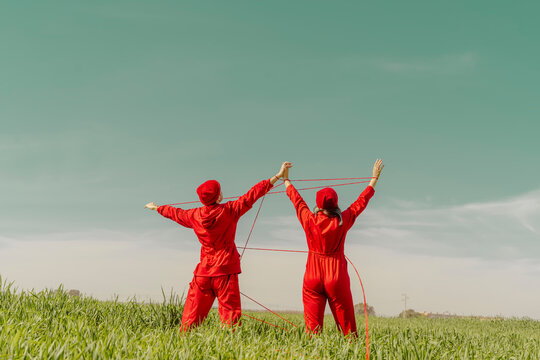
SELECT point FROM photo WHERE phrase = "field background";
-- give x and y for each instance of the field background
(54, 325)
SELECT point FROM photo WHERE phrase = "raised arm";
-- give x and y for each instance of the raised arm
(245, 202)
(356, 208)
(175, 214)
(302, 210)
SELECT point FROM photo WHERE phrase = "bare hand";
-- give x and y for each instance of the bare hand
(377, 168)
(284, 170)
(151, 206)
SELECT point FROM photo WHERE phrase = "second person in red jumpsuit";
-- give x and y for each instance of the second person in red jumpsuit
(214, 224)
(326, 276)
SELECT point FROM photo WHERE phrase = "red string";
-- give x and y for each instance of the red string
(278, 192)
(253, 225)
(365, 306)
(266, 322)
(357, 274)
(321, 187)
(298, 251)
(254, 221)
(335, 179)
(258, 303)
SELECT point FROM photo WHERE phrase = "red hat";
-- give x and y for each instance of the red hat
(209, 192)
(327, 199)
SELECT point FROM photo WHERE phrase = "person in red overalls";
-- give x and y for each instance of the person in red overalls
(215, 226)
(326, 276)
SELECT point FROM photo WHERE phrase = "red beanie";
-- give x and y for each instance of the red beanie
(327, 199)
(209, 192)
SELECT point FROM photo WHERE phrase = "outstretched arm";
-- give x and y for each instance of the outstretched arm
(246, 201)
(175, 214)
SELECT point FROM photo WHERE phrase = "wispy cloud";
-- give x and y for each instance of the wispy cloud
(508, 228)
(500, 229)
(468, 259)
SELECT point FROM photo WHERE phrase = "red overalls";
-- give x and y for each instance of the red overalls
(217, 273)
(326, 274)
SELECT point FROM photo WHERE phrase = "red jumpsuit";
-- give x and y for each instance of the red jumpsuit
(326, 274)
(216, 275)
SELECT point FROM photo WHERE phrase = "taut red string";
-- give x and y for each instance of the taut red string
(334, 179)
(321, 187)
(253, 225)
(279, 192)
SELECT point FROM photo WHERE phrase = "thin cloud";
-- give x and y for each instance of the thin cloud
(501, 229)
(432, 253)
(507, 228)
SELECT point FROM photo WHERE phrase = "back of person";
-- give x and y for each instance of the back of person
(326, 230)
(327, 235)
(215, 227)
(216, 275)
(326, 277)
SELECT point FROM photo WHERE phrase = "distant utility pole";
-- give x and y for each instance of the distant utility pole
(404, 298)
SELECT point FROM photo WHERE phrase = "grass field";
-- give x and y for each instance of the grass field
(49, 325)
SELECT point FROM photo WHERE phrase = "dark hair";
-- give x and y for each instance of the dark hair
(332, 213)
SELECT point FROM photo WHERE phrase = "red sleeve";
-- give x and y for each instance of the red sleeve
(175, 214)
(245, 202)
(302, 210)
(356, 208)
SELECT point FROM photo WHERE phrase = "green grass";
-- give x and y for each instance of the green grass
(47, 325)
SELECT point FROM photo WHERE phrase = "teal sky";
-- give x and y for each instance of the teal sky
(107, 105)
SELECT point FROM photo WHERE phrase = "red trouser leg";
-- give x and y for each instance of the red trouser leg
(228, 294)
(340, 299)
(198, 302)
(314, 303)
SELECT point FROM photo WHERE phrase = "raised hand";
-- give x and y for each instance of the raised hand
(284, 168)
(286, 174)
(377, 168)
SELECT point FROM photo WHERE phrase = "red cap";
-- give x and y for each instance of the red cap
(327, 199)
(209, 192)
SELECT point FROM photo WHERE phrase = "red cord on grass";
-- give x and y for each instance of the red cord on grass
(266, 322)
(258, 303)
(357, 274)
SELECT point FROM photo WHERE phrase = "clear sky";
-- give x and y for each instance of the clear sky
(105, 106)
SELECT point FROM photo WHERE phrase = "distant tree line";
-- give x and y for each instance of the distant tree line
(359, 309)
